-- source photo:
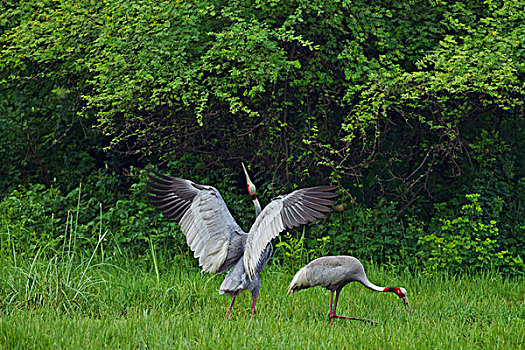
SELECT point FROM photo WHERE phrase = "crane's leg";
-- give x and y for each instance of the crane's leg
(230, 308)
(334, 315)
(255, 293)
(330, 315)
(253, 306)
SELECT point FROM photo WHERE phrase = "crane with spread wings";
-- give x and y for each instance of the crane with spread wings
(219, 242)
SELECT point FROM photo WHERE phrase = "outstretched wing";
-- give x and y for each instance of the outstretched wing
(202, 214)
(297, 208)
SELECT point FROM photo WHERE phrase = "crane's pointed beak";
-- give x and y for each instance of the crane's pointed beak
(251, 187)
(407, 307)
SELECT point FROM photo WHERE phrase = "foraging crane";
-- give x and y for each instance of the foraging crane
(333, 273)
(218, 241)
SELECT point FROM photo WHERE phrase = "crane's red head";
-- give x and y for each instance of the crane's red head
(252, 192)
(402, 293)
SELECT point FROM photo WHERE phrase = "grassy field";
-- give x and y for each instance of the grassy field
(57, 303)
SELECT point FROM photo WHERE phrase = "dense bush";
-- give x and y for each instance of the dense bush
(467, 240)
(408, 107)
(34, 217)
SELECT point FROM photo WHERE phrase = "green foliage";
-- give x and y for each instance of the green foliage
(43, 50)
(404, 105)
(375, 233)
(497, 181)
(467, 241)
(34, 217)
(293, 251)
(27, 218)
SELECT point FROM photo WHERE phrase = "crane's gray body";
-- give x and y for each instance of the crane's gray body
(235, 251)
(237, 279)
(332, 273)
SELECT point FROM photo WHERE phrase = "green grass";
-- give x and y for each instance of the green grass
(67, 303)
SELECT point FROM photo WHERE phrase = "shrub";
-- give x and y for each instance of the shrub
(467, 241)
(374, 233)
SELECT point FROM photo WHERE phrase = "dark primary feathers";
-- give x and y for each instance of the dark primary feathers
(212, 233)
(171, 195)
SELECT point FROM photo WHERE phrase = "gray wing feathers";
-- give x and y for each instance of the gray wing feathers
(266, 227)
(297, 208)
(236, 281)
(319, 272)
(171, 195)
(202, 214)
(206, 232)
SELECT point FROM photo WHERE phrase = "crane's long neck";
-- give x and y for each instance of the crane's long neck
(257, 207)
(365, 282)
(375, 288)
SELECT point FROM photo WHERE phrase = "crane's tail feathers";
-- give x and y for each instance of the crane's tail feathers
(299, 281)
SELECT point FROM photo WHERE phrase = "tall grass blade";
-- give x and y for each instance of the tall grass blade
(89, 262)
(154, 258)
